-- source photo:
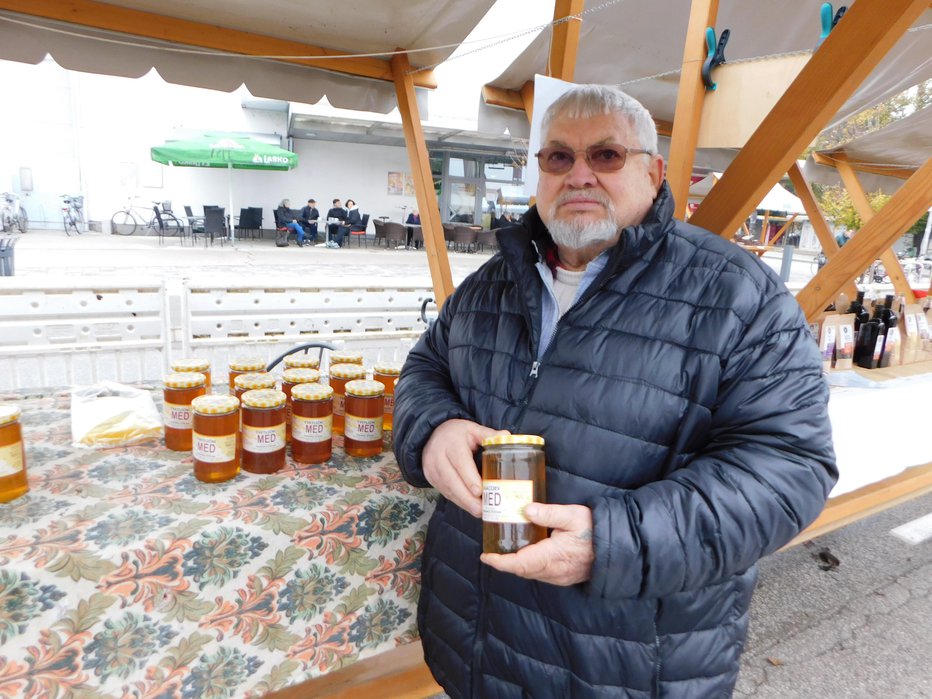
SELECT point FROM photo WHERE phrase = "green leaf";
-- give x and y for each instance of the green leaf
(268, 483)
(186, 606)
(87, 613)
(276, 637)
(277, 677)
(80, 564)
(356, 497)
(185, 507)
(186, 651)
(356, 562)
(283, 562)
(187, 529)
(283, 524)
(355, 600)
(91, 512)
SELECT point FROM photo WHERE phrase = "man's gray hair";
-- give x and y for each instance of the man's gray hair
(584, 101)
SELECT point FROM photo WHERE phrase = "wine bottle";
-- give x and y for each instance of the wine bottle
(861, 314)
(869, 347)
(889, 318)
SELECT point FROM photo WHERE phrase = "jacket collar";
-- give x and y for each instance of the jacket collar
(530, 241)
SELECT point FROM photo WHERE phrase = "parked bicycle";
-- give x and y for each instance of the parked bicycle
(818, 262)
(136, 215)
(72, 213)
(12, 213)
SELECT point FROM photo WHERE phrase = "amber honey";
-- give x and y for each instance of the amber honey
(386, 373)
(290, 379)
(513, 475)
(311, 423)
(244, 365)
(263, 430)
(252, 381)
(345, 357)
(363, 424)
(13, 482)
(215, 441)
(178, 392)
(193, 364)
(340, 374)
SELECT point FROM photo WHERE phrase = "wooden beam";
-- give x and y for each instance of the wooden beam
(527, 98)
(424, 192)
(100, 15)
(690, 97)
(861, 203)
(783, 229)
(819, 225)
(564, 40)
(500, 97)
(903, 209)
(829, 159)
(855, 47)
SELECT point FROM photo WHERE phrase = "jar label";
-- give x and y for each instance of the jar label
(339, 404)
(311, 429)
(179, 417)
(213, 450)
(505, 500)
(264, 440)
(11, 459)
(363, 429)
(389, 403)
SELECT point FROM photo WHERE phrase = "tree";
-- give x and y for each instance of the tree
(837, 206)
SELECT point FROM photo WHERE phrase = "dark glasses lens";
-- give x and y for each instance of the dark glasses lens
(601, 158)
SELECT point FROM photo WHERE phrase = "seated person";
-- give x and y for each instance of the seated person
(285, 219)
(353, 221)
(309, 218)
(414, 218)
(336, 216)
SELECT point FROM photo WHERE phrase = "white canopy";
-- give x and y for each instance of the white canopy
(778, 198)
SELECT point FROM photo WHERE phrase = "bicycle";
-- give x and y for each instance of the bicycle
(129, 218)
(72, 213)
(818, 262)
(12, 213)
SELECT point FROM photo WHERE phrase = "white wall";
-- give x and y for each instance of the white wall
(91, 134)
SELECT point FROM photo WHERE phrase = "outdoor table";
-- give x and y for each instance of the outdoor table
(123, 575)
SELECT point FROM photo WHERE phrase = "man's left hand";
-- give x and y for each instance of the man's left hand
(564, 558)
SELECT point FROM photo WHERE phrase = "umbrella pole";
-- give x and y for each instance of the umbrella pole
(230, 193)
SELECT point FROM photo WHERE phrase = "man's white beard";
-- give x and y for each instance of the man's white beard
(578, 234)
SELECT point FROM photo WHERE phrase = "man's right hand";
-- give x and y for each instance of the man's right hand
(448, 462)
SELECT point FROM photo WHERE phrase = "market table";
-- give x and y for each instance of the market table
(123, 575)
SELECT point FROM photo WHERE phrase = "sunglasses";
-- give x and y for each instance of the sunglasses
(606, 157)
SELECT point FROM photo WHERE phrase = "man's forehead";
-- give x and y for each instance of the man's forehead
(594, 130)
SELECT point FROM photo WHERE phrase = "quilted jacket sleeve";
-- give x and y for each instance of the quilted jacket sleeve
(424, 397)
(763, 476)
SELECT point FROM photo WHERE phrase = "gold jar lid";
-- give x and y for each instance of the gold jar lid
(263, 398)
(215, 405)
(345, 357)
(185, 379)
(9, 413)
(505, 439)
(347, 371)
(247, 364)
(364, 388)
(387, 368)
(191, 364)
(300, 376)
(257, 380)
(311, 392)
(301, 361)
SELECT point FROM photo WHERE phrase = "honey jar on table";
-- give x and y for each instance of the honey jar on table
(178, 392)
(263, 430)
(311, 423)
(363, 423)
(216, 439)
(13, 481)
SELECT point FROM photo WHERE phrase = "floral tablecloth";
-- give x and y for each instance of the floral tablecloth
(121, 575)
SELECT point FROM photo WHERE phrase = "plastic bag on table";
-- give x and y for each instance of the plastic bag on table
(109, 414)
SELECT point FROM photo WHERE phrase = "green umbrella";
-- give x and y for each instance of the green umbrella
(226, 151)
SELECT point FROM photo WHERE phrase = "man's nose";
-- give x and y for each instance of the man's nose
(581, 175)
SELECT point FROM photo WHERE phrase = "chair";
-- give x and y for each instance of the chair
(379, 224)
(465, 236)
(195, 223)
(395, 234)
(487, 237)
(448, 232)
(310, 345)
(247, 222)
(257, 219)
(360, 230)
(160, 222)
(417, 238)
(214, 224)
(6, 255)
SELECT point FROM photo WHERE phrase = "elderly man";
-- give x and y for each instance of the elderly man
(684, 411)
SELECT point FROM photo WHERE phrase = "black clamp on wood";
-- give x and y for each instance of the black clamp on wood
(716, 55)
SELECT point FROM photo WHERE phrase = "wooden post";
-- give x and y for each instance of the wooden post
(783, 229)
(854, 48)
(429, 208)
(819, 225)
(859, 198)
(564, 42)
(689, 101)
(527, 98)
(903, 209)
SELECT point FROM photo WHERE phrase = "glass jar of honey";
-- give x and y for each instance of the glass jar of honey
(345, 357)
(364, 410)
(513, 475)
(13, 481)
(179, 390)
(290, 379)
(202, 366)
(252, 382)
(215, 442)
(386, 373)
(263, 430)
(339, 375)
(244, 365)
(311, 423)
(301, 360)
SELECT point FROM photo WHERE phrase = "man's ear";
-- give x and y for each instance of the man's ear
(655, 170)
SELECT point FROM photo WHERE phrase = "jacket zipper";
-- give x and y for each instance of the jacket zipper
(476, 673)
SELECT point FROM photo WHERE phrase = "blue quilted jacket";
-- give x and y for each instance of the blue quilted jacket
(682, 400)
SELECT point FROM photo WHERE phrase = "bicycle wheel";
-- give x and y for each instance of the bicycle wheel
(70, 224)
(123, 223)
(173, 226)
